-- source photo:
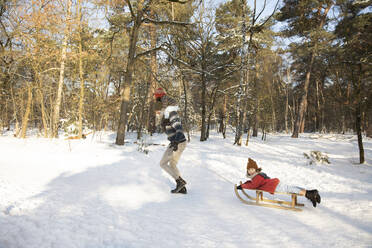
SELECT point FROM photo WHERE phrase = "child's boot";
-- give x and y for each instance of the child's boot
(311, 195)
(317, 197)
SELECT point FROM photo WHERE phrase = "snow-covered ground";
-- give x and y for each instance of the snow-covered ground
(91, 193)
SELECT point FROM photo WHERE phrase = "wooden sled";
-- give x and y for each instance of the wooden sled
(291, 205)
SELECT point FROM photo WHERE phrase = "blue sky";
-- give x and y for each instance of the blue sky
(96, 15)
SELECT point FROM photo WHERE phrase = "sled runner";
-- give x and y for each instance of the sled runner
(259, 200)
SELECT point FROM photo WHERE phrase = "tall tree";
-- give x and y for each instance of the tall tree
(140, 13)
(57, 104)
(239, 29)
(6, 60)
(253, 28)
(356, 42)
(81, 72)
(305, 19)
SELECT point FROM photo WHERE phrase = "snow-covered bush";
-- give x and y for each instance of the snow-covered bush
(69, 126)
(317, 157)
(142, 146)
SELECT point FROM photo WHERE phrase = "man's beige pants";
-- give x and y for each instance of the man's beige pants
(170, 159)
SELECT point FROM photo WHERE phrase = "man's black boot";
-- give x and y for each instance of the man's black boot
(183, 190)
(180, 184)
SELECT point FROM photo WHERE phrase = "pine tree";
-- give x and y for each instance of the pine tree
(354, 30)
(306, 19)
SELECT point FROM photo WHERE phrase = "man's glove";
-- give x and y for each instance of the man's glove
(165, 122)
(239, 187)
(174, 145)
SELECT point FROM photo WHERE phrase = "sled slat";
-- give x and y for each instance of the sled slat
(259, 198)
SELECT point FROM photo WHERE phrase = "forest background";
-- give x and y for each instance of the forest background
(279, 66)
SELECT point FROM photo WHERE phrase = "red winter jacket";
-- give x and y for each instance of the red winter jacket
(262, 182)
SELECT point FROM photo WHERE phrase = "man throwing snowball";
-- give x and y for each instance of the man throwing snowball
(171, 124)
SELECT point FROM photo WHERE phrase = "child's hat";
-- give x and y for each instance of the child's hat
(252, 164)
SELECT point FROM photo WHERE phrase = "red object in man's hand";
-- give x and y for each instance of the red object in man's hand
(159, 93)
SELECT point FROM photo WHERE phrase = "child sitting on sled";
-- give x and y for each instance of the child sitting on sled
(261, 181)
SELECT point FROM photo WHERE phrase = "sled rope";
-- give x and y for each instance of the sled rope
(220, 176)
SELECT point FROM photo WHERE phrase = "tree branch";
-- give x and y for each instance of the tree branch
(230, 88)
(263, 8)
(149, 51)
(131, 9)
(261, 25)
(147, 19)
(50, 69)
(182, 62)
(178, 1)
(111, 41)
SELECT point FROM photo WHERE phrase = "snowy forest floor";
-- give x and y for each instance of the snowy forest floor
(91, 193)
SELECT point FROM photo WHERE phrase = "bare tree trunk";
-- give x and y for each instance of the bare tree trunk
(186, 116)
(245, 103)
(208, 126)
(263, 137)
(248, 135)
(6, 121)
(125, 95)
(211, 110)
(203, 136)
(359, 133)
(81, 73)
(299, 125)
(322, 115)
(16, 128)
(317, 105)
(27, 112)
(341, 105)
(255, 120)
(303, 104)
(57, 105)
(141, 115)
(256, 104)
(220, 121)
(4, 116)
(39, 91)
(286, 109)
(153, 84)
(227, 121)
(224, 117)
(358, 112)
(43, 114)
(289, 78)
(273, 122)
(302, 126)
(241, 97)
